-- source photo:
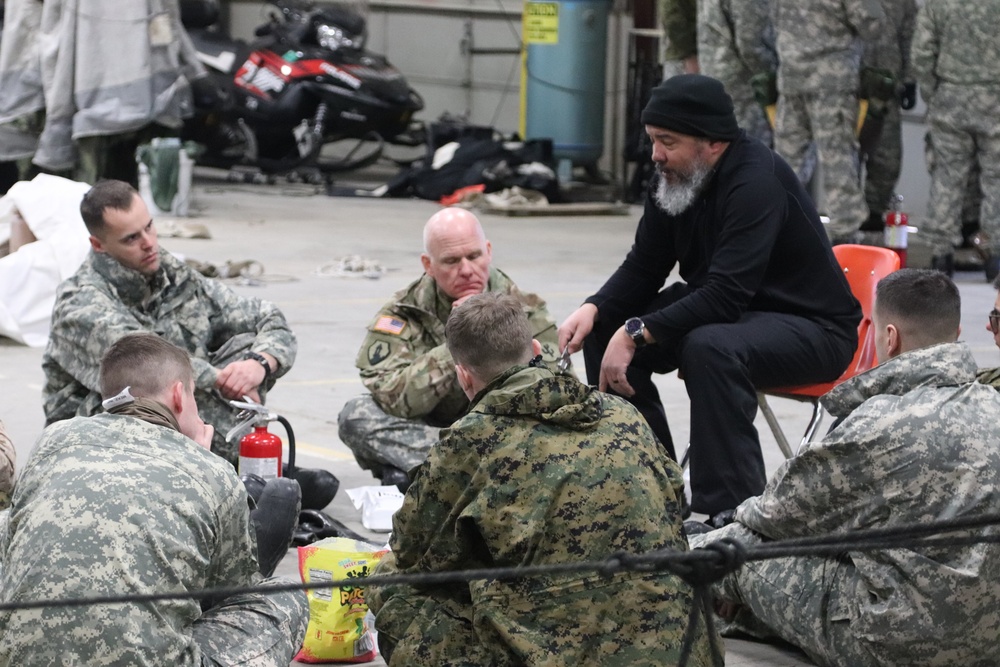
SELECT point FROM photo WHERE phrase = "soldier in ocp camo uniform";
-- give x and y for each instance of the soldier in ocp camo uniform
(736, 42)
(918, 443)
(891, 53)
(956, 49)
(132, 502)
(238, 345)
(404, 361)
(680, 29)
(820, 45)
(543, 470)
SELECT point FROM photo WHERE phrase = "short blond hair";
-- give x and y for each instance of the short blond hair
(488, 334)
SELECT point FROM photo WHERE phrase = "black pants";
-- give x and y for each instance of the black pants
(723, 365)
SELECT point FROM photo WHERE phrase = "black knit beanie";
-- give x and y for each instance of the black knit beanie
(692, 104)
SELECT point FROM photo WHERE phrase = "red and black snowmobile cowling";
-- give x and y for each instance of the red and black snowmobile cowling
(306, 82)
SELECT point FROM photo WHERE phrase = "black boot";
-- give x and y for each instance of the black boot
(315, 525)
(392, 475)
(254, 485)
(275, 521)
(944, 263)
(722, 519)
(318, 486)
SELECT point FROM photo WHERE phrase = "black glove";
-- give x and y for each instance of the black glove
(908, 99)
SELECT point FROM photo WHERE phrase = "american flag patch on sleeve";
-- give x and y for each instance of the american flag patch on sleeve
(389, 325)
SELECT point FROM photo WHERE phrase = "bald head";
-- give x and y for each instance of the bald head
(448, 222)
(457, 254)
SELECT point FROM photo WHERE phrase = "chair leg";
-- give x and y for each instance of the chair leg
(814, 422)
(772, 421)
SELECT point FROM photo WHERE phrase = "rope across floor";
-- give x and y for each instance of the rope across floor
(698, 567)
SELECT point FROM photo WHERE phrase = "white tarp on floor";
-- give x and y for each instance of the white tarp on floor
(29, 277)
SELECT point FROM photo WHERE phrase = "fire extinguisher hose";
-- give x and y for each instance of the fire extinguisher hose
(291, 445)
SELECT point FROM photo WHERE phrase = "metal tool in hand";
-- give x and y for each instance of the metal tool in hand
(564, 363)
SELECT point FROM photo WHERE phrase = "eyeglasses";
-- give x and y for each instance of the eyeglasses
(995, 320)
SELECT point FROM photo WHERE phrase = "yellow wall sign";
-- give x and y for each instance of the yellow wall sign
(541, 22)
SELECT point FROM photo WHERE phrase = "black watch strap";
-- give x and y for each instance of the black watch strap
(635, 328)
(263, 362)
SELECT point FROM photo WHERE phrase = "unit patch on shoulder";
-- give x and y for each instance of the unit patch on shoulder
(390, 325)
(378, 352)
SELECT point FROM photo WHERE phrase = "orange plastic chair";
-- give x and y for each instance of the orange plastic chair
(863, 266)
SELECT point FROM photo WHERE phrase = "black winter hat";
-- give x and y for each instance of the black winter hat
(692, 104)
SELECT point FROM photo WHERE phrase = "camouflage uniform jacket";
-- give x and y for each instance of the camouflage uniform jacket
(735, 39)
(919, 443)
(105, 301)
(405, 363)
(957, 42)
(821, 43)
(989, 376)
(545, 469)
(892, 50)
(680, 26)
(112, 505)
(7, 457)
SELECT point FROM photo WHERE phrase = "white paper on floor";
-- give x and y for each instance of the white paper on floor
(377, 505)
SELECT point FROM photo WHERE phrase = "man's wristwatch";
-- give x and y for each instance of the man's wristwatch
(262, 361)
(636, 330)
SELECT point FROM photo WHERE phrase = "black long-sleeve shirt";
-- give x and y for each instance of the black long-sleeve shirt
(752, 241)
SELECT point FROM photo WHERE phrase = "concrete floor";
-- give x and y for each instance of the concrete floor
(298, 234)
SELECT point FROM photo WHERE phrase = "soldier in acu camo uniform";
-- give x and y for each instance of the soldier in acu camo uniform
(918, 443)
(132, 502)
(956, 51)
(991, 376)
(403, 360)
(735, 43)
(542, 470)
(820, 45)
(238, 345)
(7, 458)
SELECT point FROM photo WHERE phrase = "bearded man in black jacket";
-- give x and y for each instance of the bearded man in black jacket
(761, 301)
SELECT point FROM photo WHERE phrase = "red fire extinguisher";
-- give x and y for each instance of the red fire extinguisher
(260, 450)
(896, 227)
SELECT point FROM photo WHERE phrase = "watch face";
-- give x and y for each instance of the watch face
(634, 327)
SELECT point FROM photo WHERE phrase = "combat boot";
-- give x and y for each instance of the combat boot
(254, 484)
(275, 521)
(393, 476)
(318, 486)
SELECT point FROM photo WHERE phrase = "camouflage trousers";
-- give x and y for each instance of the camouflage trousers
(964, 134)
(420, 629)
(575, 621)
(253, 629)
(829, 119)
(972, 200)
(884, 163)
(805, 601)
(378, 439)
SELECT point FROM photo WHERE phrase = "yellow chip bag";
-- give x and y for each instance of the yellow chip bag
(339, 627)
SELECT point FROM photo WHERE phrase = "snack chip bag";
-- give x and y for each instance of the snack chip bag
(339, 626)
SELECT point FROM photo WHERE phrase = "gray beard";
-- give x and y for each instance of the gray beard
(675, 199)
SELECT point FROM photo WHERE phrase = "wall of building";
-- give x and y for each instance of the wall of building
(438, 44)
